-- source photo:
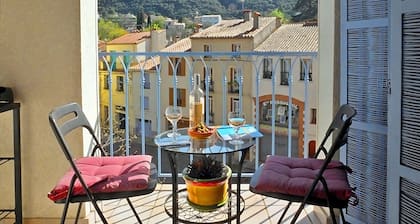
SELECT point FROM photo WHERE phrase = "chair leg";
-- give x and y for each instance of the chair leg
(332, 215)
(78, 213)
(98, 210)
(134, 210)
(301, 207)
(64, 214)
(285, 211)
(342, 216)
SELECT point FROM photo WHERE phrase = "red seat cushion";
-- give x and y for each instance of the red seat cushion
(106, 174)
(294, 176)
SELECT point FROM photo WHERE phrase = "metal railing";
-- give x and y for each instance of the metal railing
(152, 80)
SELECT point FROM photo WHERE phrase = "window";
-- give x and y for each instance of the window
(147, 127)
(211, 114)
(146, 102)
(233, 83)
(308, 63)
(121, 120)
(236, 48)
(146, 80)
(284, 72)
(181, 97)
(118, 107)
(211, 104)
(313, 115)
(106, 113)
(234, 105)
(206, 48)
(210, 77)
(179, 64)
(106, 84)
(268, 68)
(120, 83)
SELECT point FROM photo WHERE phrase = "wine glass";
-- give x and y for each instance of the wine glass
(236, 120)
(173, 114)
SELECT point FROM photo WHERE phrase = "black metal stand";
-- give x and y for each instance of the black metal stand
(15, 107)
(175, 213)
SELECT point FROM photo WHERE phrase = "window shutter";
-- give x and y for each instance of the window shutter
(364, 84)
(410, 201)
(171, 96)
(410, 117)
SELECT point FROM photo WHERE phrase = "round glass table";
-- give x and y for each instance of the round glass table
(176, 205)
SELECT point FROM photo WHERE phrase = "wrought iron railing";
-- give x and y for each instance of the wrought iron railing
(152, 80)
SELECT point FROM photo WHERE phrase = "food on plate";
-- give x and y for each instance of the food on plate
(201, 130)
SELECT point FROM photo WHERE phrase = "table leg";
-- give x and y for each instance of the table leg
(172, 162)
(238, 196)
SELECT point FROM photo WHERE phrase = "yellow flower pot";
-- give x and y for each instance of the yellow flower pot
(208, 193)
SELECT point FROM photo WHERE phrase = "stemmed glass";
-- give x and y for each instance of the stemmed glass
(173, 114)
(236, 120)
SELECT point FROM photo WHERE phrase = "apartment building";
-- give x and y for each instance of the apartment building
(237, 75)
(231, 35)
(122, 74)
(302, 69)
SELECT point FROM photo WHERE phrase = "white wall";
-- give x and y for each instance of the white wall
(328, 82)
(49, 52)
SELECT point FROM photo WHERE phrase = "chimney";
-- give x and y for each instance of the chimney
(256, 18)
(197, 27)
(247, 14)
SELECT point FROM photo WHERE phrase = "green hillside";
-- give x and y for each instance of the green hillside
(187, 9)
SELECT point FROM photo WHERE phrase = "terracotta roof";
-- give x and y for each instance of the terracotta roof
(146, 65)
(130, 38)
(235, 28)
(292, 38)
(101, 45)
(179, 46)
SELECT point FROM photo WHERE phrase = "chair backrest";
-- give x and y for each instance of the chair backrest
(66, 119)
(337, 130)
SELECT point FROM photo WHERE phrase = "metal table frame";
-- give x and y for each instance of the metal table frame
(223, 147)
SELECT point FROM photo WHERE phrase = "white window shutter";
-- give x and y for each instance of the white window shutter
(364, 85)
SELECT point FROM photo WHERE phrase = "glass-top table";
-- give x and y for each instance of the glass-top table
(213, 145)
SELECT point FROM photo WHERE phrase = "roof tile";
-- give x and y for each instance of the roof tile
(130, 38)
(292, 38)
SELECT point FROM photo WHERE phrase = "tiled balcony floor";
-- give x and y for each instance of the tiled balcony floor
(258, 209)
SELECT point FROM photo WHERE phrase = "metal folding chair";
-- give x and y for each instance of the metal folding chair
(315, 181)
(95, 178)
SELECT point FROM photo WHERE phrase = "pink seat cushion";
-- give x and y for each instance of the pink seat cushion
(294, 176)
(106, 174)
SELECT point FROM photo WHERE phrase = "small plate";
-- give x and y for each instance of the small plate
(199, 135)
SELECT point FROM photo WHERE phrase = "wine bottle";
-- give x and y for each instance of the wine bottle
(196, 102)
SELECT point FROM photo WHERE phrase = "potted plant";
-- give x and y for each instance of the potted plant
(207, 182)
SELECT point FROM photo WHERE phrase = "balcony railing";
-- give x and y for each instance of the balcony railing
(132, 112)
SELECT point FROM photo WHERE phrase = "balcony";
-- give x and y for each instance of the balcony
(358, 45)
(258, 209)
(137, 107)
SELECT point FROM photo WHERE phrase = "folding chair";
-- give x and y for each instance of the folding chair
(314, 181)
(95, 178)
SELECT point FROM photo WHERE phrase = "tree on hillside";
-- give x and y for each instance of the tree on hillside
(108, 30)
(140, 19)
(280, 14)
(307, 9)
